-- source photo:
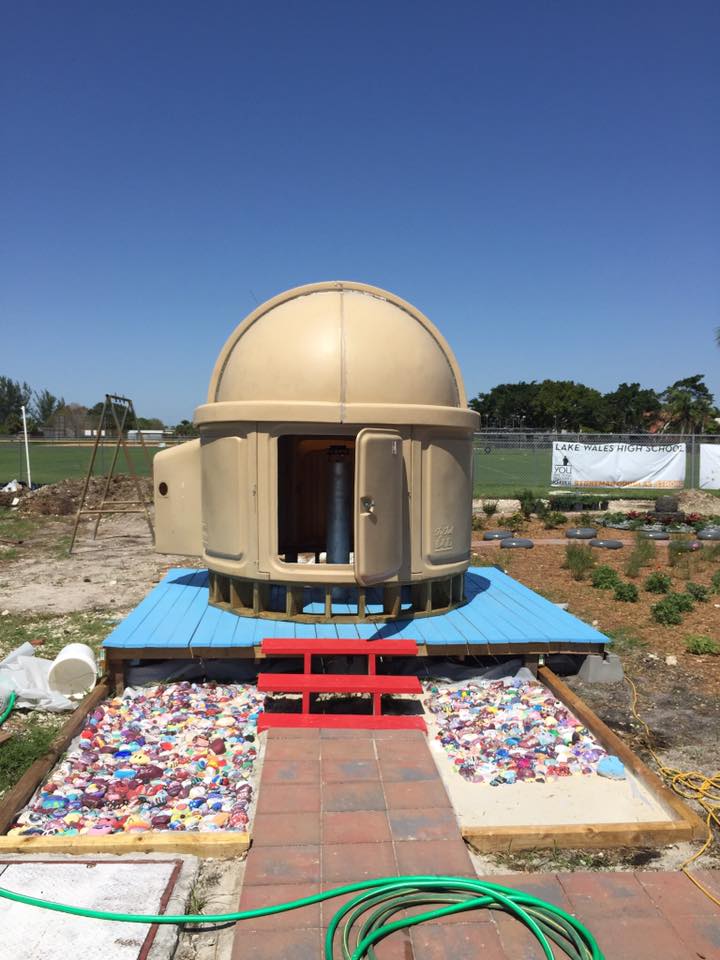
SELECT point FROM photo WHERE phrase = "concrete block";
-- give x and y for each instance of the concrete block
(597, 669)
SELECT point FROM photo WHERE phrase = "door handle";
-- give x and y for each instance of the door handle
(367, 504)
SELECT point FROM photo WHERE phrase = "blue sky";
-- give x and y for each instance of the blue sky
(540, 178)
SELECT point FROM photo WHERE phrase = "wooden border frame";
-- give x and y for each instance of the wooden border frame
(220, 844)
(683, 823)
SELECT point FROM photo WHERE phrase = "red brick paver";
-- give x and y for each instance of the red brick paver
(341, 806)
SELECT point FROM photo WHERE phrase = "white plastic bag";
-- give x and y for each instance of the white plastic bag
(27, 675)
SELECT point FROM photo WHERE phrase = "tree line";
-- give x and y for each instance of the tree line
(44, 410)
(686, 406)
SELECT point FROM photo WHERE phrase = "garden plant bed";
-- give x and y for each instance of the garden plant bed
(573, 811)
(631, 626)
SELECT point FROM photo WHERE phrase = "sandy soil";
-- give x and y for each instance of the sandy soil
(113, 572)
(570, 800)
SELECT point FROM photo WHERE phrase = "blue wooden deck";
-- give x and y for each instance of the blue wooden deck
(175, 616)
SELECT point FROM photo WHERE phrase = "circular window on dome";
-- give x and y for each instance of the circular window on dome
(163, 489)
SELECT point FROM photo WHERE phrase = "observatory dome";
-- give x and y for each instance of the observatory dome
(334, 456)
(340, 346)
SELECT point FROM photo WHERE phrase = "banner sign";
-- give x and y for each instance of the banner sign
(659, 467)
(710, 466)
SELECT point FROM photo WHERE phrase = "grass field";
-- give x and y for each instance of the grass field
(503, 472)
(52, 462)
(499, 471)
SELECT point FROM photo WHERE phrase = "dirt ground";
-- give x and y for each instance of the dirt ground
(112, 572)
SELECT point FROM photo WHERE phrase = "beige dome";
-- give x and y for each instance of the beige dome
(338, 343)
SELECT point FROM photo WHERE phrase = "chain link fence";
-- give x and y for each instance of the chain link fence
(506, 462)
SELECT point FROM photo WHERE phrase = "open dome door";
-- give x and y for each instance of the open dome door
(378, 505)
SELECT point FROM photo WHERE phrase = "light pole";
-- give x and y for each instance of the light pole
(27, 448)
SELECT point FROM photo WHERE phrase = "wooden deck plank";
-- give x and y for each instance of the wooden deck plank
(535, 619)
(203, 635)
(171, 591)
(176, 628)
(505, 614)
(295, 647)
(544, 611)
(337, 683)
(121, 635)
(501, 618)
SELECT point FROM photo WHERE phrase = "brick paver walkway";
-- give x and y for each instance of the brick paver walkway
(340, 806)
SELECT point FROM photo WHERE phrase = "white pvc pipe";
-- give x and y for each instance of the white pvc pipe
(27, 449)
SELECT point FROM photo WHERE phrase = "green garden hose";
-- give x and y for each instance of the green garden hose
(382, 899)
(8, 709)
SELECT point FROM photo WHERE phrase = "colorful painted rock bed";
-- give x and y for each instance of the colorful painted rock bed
(174, 757)
(501, 732)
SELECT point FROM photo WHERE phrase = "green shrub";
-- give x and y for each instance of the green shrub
(528, 503)
(477, 522)
(554, 519)
(715, 581)
(605, 577)
(658, 583)
(516, 521)
(699, 644)
(579, 560)
(670, 609)
(617, 516)
(642, 555)
(489, 508)
(697, 591)
(666, 613)
(683, 601)
(626, 592)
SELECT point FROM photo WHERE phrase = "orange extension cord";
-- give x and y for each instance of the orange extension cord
(690, 785)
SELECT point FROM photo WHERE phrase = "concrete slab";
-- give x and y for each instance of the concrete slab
(597, 669)
(122, 885)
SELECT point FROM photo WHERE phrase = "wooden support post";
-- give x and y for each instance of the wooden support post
(531, 662)
(116, 673)
(391, 600)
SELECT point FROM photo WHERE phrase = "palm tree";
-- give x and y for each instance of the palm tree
(688, 405)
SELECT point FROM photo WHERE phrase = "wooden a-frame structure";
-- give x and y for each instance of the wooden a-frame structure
(115, 413)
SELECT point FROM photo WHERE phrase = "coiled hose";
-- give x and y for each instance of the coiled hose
(369, 917)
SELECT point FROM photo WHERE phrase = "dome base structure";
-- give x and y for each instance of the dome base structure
(328, 603)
